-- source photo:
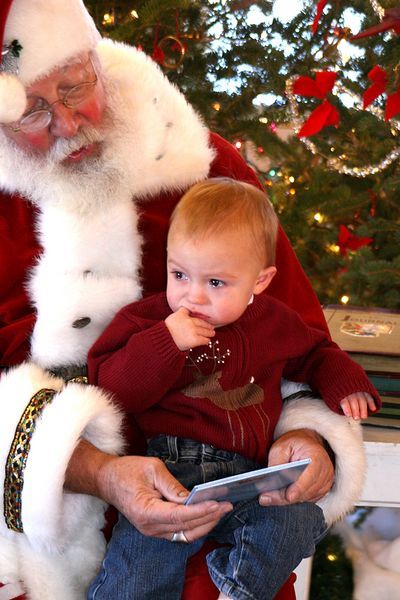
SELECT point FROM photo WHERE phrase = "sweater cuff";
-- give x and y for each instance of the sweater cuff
(336, 393)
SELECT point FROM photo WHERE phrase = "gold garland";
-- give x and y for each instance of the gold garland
(377, 8)
(336, 163)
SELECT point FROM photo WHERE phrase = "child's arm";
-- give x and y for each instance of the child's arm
(357, 405)
(325, 367)
(187, 331)
(135, 359)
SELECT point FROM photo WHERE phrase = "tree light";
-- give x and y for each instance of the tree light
(238, 144)
(334, 248)
(318, 217)
(344, 49)
(331, 557)
(344, 299)
(108, 19)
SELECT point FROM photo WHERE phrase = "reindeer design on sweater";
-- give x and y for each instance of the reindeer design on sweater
(232, 400)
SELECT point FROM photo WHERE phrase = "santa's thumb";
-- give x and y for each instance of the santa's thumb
(171, 489)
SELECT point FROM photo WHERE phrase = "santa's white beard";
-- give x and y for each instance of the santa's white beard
(79, 186)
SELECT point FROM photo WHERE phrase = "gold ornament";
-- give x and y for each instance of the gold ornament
(177, 50)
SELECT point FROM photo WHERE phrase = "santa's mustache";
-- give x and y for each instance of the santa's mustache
(63, 147)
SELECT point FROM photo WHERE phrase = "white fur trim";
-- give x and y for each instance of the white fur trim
(62, 299)
(50, 32)
(89, 269)
(344, 437)
(167, 144)
(105, 243)
(12, 98)
(62, 545)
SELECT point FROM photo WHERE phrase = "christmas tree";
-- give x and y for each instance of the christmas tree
(312, 106)
(257, 74)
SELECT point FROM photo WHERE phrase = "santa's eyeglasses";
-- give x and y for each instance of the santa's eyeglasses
(41, 118)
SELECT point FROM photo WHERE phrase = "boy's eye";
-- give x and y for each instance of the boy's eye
(216, 283)
(179, 275)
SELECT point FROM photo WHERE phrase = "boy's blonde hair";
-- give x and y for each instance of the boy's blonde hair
(220, 204)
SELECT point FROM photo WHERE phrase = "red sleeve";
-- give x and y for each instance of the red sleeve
(135, 358)
(290, 284)
(18, 249)
(321, 363)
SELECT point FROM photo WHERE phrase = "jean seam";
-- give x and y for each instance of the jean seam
(202, 472)
(227, 586)
(239, 562)
(100, 583)
(172, 444)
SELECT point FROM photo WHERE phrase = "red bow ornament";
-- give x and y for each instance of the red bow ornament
(379, 80)
(325, 114)
(349, 241)
(158, 55)
(320, 7)
(392, 105)
(391, 20)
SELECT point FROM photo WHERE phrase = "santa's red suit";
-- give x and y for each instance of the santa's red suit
(67, 264)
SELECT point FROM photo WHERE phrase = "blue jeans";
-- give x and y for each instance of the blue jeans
(262, 545)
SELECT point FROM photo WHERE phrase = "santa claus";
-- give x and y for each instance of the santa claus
(96, 148)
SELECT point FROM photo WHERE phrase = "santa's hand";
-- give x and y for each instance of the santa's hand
(188, 332)
(315, 481)
(143, 490)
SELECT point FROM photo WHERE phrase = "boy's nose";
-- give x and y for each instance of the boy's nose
(197, 295)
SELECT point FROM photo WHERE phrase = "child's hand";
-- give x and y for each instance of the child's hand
(188, 332)
(357, 405)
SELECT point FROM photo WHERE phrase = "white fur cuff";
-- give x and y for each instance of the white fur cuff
(62, 545)
(344, 437)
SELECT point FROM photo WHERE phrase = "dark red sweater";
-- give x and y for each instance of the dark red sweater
(227, 394)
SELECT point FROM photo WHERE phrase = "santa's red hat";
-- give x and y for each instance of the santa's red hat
(37, 36)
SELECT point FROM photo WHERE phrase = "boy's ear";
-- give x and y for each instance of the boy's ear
(263, 280)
